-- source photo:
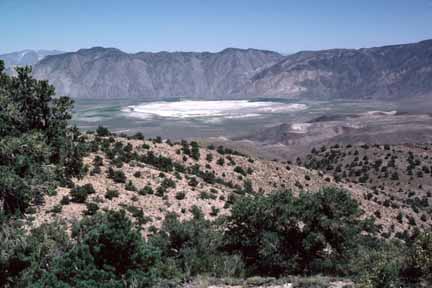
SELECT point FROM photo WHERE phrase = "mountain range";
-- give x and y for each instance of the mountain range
(110, 73)
(391, 72)
(26, 57)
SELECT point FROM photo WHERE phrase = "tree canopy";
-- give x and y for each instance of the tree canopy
(37, 147)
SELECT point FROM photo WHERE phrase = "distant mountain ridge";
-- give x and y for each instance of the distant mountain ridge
(389, 72)
(26, 57)
(110, 73)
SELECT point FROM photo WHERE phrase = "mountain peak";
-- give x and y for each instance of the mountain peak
(26, 57)
(99, 49)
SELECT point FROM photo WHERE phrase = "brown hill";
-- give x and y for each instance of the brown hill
(399, 176)
(161, 177)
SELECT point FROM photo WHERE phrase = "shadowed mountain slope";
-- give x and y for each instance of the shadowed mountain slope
(390, 72)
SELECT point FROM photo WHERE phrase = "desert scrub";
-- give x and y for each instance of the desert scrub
(117, 176)
(180, 195)
(111, 193)
(65, 200)
(147, 190)
(130, 186)
(79, 194)
(56, 209)
(92, 208)
(137, 174)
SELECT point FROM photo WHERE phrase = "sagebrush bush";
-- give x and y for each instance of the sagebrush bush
(117, 176)
(79, 194)
(111, 193)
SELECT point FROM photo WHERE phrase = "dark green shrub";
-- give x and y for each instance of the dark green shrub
(130, 186)
(192, 247)
(160, 191)
(79, 194)
(422, 255)
(92, 208)
(102, 132)
(265, 231)
(101, 239)
(240, 170)
(111, 193)
(147, 190)
(214, 211)
(137, 174)
(206, 195)
(180, 195)
(138, 136)
(379, 267)
(65, 200)
(117, 176)
(209, 157)
(168, 183)
(56, 209)
(193, 182)
(195, 153)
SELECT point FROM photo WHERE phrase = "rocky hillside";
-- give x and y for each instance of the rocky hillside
(398, 176)
(151, 177)
(391, 72)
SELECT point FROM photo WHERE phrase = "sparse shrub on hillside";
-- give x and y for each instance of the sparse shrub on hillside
(180, 195)
(65, 200)
(240, 170)
(137, 174)
(130, 186)
(185, 147)
(147, 190)
(128, 148)
(102, 132)
(96, 170)
(209, 157)
(195, 153)
(220, 150)
(160, 191)
(214, 211)
(168, 183)
(92, 208)
(117, 176)
(161, 162)
(111, 194)
(56, 209)
(158, 140)
(79, 194)
(193, 182)
(204, 195)
(138, 136)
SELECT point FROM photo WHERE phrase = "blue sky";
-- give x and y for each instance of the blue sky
(203, 25)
